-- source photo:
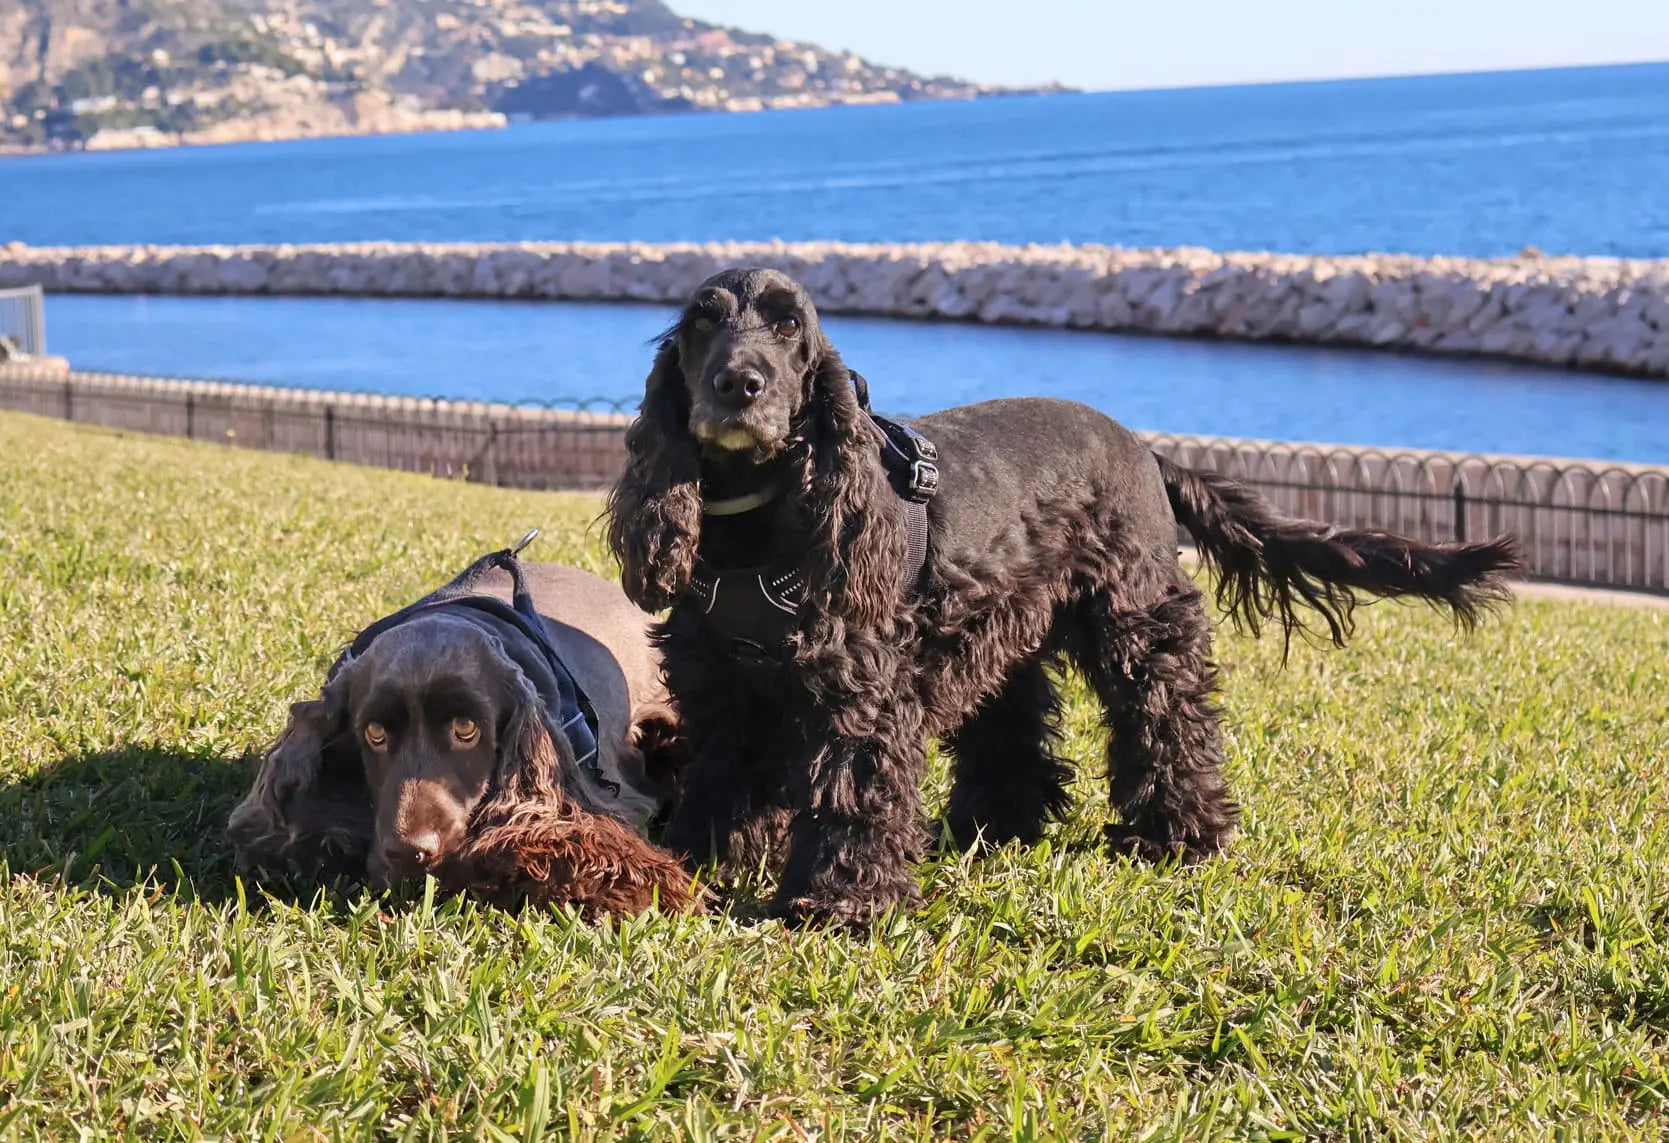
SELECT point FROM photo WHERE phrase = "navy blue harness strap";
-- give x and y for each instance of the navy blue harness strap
(573, 714)
(911, 461)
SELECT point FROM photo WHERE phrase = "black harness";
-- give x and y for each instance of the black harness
(572, 711)
(757, 609)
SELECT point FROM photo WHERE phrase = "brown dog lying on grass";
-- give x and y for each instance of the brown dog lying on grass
(508, 733)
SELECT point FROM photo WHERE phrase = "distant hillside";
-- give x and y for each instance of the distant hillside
(109, 73)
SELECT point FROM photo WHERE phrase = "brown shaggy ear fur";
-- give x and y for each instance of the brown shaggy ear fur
(654, 508)
(554, 853)
(529, 767)
(857, 538)
(308, 813)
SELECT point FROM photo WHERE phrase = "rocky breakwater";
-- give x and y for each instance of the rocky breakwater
(1595, 313)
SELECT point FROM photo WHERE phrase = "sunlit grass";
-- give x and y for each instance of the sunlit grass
(1446, 914)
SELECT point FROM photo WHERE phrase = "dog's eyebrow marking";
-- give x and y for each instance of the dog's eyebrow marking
(777, 300)
(713, 303)
(386, 705)
(453, 693)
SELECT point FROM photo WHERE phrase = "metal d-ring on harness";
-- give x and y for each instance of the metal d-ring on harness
(757, 609)
(572, 710)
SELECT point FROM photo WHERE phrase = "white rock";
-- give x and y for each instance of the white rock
(1607, 311)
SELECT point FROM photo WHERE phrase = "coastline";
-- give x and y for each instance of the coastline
(444, 121)
(143, 139)
(1601, 314)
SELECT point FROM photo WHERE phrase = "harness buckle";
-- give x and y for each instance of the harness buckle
(914, 466)
(924, 481)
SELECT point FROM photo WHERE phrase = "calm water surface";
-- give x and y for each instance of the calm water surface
(1572, 161)
(518, 351)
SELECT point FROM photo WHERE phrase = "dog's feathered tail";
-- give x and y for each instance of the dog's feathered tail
(1269, 565)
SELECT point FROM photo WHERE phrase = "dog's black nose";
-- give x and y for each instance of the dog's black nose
(739, 386)
(411, 857)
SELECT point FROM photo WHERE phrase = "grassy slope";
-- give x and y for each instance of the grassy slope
(1446, 911)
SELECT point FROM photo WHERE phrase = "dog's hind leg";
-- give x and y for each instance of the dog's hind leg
(1151, 668)
(1009, 781)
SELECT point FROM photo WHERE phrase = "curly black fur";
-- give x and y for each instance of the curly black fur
(1054, 534)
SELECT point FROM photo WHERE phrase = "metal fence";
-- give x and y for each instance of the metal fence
(23, 319)
(1579, 522)
(565, 445)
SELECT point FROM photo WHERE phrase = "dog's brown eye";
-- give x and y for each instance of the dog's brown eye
(703, 325)
(375, 736)
(787, 327)
(465, 730)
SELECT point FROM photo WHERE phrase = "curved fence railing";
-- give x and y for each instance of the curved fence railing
(559, 445)
(1579, 522)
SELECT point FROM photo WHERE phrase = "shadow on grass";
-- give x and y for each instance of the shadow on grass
(117, 820)
(139, 815)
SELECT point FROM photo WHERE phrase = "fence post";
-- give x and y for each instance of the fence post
(190, 415)
(489, 456)
(69, 400)
(23, 311)
(330, 432)
(1460, 512)
(37, 322)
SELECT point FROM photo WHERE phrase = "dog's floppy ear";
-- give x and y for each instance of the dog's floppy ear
(308, 813)
(529, 766)
(654, 508)
(852, 569)
(544, 856)
(533, 767)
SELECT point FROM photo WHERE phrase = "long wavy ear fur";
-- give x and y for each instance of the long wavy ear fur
(308, 815)
(654, 508)
(544, 855)
(857, 534)
(530, 768)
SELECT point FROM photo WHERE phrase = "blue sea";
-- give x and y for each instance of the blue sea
(1570, 161)
(568, 351)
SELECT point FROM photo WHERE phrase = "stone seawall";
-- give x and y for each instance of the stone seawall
(1594, 313)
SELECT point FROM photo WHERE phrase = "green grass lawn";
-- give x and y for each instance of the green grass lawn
(1446, 914)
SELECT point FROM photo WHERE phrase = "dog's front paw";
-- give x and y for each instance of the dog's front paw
(849, 874)
(758, 842)
(1125, 841)
(854, 911)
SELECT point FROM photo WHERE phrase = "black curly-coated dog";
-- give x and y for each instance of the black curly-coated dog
(813, 657)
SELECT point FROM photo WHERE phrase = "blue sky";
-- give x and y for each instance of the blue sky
(1171, 43)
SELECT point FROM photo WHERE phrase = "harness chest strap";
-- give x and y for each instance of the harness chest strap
(758, 608)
